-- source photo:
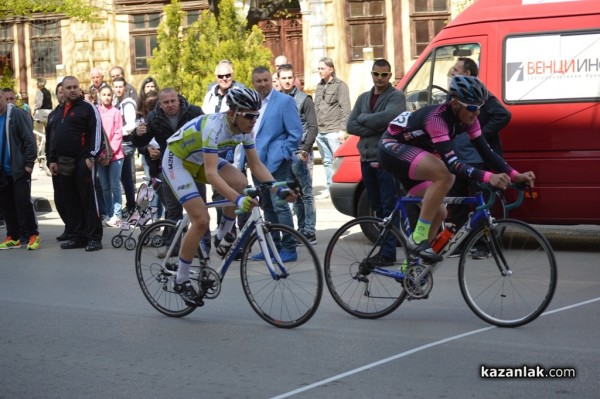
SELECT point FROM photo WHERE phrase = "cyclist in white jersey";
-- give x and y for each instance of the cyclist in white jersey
(192, 155)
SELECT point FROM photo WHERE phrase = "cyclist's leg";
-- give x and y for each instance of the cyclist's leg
(422, 174)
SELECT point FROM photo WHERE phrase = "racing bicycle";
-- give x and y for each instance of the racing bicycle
(509, 287)
(285, 295)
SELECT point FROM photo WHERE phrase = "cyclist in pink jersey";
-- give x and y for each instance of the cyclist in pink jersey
(417, 149)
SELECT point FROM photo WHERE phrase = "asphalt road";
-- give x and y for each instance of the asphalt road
(76, 325)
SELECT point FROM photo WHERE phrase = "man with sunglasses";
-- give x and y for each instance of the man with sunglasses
(213, 100)
(193, 155)
(369, 119)
(408, 146)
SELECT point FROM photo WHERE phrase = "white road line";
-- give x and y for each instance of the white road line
(410, 352)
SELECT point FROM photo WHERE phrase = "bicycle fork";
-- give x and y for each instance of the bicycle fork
(269, 250)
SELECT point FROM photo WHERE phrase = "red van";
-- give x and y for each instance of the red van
(541, 58)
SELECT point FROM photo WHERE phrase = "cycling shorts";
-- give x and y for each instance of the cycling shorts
(401, 160)
(181, 176)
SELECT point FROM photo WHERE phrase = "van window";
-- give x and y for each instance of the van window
(550, 68)
(429, 84)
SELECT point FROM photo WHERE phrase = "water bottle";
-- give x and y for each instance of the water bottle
(442, 238)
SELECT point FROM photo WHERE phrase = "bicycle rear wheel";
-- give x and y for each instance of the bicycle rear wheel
(516, 297)
(290, 299)
(348, 267)
(155, 280)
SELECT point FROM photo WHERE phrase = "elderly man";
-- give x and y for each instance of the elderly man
(213, 100)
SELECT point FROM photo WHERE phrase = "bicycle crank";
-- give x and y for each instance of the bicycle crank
(418, 282)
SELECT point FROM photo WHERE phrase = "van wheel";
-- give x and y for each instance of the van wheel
(364, 209)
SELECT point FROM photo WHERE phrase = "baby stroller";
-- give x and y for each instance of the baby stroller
(142, 215)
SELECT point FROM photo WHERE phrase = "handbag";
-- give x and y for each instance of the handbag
(66, 165)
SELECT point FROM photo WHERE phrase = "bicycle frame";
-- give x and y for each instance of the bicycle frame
(254, 223)
(480, 215)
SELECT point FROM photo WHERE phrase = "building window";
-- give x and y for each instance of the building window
(143, 33)
(427, 18)
(45, 47)
(6, 47)
(366, 28)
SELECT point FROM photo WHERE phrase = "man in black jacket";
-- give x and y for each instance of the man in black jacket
(76, 142)
(18, 152)
(171, 113)
(493, 117)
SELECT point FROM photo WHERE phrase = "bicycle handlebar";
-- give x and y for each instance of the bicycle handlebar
(495, 191)
(262, 187)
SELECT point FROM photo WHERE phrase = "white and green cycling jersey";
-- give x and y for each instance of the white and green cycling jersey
(206, 134)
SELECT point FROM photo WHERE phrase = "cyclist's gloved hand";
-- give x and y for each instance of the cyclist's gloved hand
(286, 194)
(245, 203)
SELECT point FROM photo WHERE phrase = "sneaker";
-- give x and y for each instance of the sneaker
(34, 242)
(114, 221)
(9, 243)
(188, 293)
(423, 250)
(288, 256)
(105, 220)
(311, 237)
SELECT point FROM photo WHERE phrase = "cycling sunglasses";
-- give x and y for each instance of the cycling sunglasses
(470, 107)
(226, 76)
(249, 115)
(382, 74)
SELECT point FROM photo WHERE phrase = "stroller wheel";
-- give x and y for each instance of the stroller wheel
(130, 243)
(117, 241)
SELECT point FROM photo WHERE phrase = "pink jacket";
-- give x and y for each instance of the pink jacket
(112, 122)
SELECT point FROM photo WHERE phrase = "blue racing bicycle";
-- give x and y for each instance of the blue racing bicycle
(511, 285)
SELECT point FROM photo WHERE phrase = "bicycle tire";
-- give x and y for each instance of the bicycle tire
(364, 295)
(156, 285)
(285, 302)
(516, 299)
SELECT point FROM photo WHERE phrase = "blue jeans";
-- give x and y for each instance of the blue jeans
(381, 190)
(278, 211)
(328, 143)
(110, 180)
(305, 207)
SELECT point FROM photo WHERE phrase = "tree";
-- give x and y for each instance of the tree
(187, 62)
(165, 62)
(259, 9)
(80, 9)
(6, 79)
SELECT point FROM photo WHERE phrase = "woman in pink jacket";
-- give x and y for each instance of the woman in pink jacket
(109, 171)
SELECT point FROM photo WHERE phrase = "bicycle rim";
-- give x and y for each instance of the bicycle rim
(517, 298)
(292, 299)
(157, 285)
(354, 289)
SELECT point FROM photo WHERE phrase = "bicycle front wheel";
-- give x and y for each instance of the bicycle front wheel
(507, 273)
(349, 266)
(155, 279)
(290, 298)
